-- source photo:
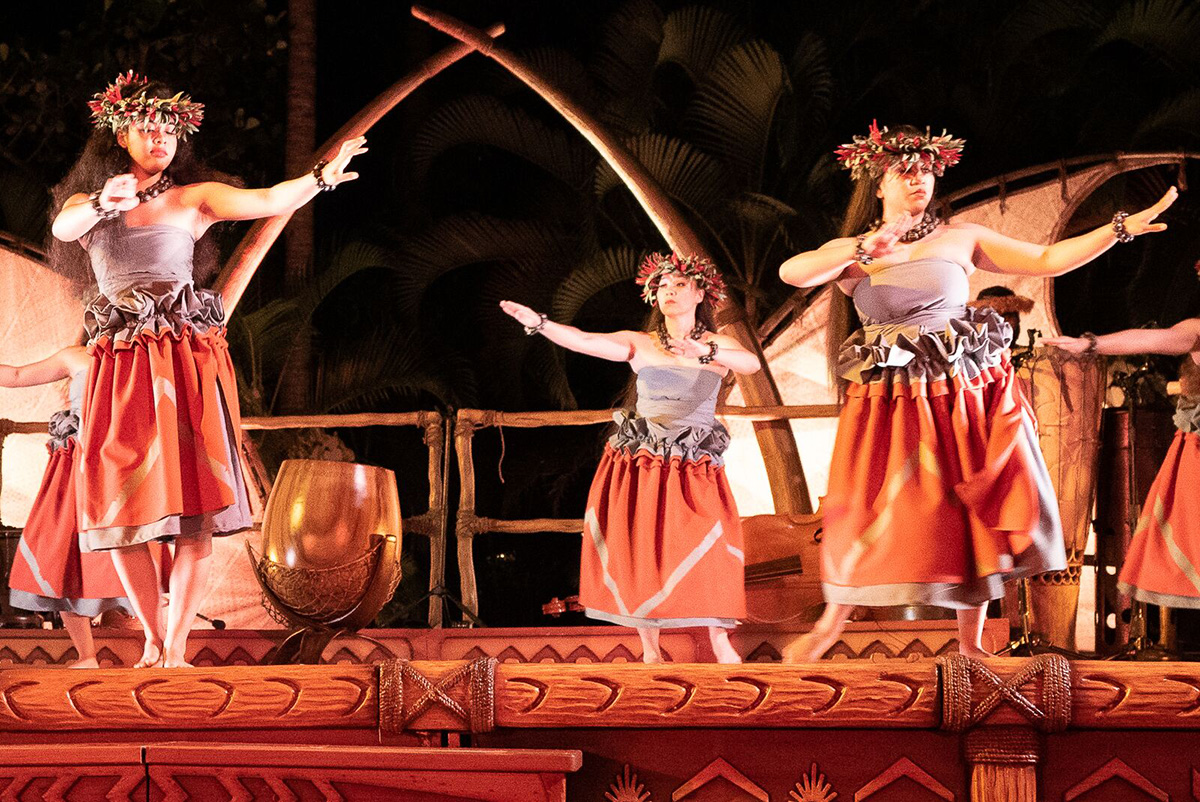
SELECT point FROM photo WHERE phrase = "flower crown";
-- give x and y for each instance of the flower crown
(697, 268)
(124, 102)
(877, 152)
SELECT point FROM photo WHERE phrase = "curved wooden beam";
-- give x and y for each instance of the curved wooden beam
(784, 471)
(240, 268)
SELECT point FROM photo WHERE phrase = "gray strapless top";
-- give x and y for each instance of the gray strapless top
(125, 258)
(145, 278)
(65, 424)
(918, 327)
(675, 415)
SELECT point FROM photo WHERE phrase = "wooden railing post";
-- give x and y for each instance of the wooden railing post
(467, 524)
(436, 435)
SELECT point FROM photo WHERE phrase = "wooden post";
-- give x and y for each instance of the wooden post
(467, 525)
(437, 433)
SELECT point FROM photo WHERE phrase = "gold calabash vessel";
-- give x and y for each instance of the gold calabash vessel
(330, 560)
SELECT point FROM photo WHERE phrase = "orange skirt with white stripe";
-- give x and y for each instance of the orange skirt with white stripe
(662, 543)
(938, 492)
(160, 438)
(49, 573)
(1163, 562)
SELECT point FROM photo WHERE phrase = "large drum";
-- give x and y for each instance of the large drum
(1067, 396)
(331, 543)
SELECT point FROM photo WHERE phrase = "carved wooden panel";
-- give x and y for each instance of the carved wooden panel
(83, 773)
(280, 697)
(886, 694)
(1134, 695)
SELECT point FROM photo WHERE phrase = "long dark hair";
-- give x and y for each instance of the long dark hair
(863, 210)
(102, 158)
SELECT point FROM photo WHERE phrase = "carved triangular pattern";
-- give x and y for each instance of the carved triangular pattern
(1116, 769)
(904, 768)
(719, 768)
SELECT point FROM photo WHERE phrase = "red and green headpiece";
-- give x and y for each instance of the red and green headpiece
(124, 103)
(697, 268)
(879, 151)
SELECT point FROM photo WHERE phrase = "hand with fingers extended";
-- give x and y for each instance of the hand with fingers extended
(120, 193)
(1072, 345)
(521, 313)
(687, 347)
(1143, 222)
(883, 241)
(334, 171)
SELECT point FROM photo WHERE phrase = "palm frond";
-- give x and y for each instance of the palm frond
(565, 72)
(1166, 29)
(812, 80)
(484, 120)
(690, 176)
(734, 108)
(457, 241)
(695, 36)
(1171, 123)
(604, 269)
(624, 65)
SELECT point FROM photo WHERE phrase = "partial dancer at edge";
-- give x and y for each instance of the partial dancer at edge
(938, 492)
(160, 413)
(49, 574)
(1163, 562)
(662, 540)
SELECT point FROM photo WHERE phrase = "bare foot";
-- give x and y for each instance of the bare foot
(85, 662)
(175, 661)
(974, 652)
(810, 648)
(649, 656)
(723, 649)
(152, 655)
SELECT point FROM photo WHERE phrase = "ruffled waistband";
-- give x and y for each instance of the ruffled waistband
(635, 433)
(1187, 414)
(965, 349)
(156, 309)
(63, 426)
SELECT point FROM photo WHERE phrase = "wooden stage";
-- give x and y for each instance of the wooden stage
(539, 728)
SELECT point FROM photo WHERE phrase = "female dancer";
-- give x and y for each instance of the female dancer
(1160, 567)
(49, 574)
(937, 489)
(662, 541)
(160, 411)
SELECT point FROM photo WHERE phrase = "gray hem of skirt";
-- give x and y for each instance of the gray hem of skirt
(89, 608)
(952, 595)
(1161, 599)
(659, 623)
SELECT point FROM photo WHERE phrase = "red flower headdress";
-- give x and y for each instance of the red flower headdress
(124, 102)
(697, 268)
(877, 152)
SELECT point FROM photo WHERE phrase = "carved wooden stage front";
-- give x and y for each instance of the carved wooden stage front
(890, 729)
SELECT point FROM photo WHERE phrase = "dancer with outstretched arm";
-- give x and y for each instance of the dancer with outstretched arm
(160, 411)
(937, 490)
(1162, 565)
(662, 540)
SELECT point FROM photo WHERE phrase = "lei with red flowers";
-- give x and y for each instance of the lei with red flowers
(697, 268)
(879, 151)
(124, 102)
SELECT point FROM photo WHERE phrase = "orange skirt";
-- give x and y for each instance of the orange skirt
(160, 438)
(937, 492)
(49, 573)
(1163, 563)
(662, 543)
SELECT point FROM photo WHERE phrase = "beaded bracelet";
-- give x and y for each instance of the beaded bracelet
(1118, 227)
(1092, 342)
(711, 355)
(317, 171)
(104, 214)
(860, 253)
(541, 324)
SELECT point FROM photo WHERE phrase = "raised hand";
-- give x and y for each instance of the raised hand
(1072, 345)
(1143, 222)
(334, 172)
(521, 313)
(120, 193)
(882, 242)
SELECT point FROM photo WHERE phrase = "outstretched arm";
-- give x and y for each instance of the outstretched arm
(617, 347)
(57, 366)
(217, 201)
(1001, 254)
(827, 263)
(1182, 338)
